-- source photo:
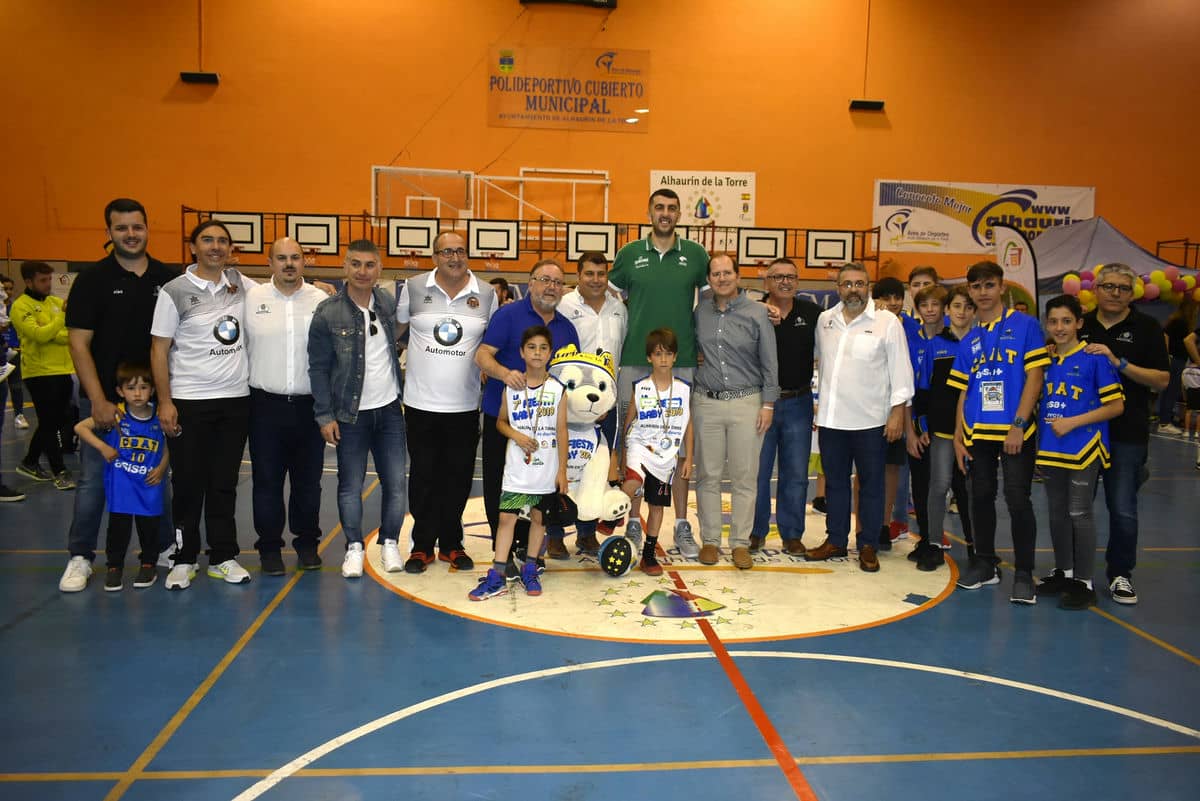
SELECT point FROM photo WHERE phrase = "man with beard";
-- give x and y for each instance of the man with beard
(499, 358)
(866, 382)
(109, 312)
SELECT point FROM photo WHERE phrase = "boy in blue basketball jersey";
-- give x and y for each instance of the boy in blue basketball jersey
(1082, 393)
(137, 462)
(999, 367)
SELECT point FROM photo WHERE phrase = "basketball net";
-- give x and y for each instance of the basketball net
(233, 256)
(411, 261)
(491, 261)
(310, 257)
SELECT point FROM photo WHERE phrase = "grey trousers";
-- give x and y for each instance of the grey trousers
(1070, 494)
(725, 437)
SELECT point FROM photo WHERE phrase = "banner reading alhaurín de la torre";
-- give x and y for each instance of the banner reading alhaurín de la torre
(944, 217)
(579, 89)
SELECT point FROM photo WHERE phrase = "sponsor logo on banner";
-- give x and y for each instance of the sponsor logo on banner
(958, 217)
(710, 198)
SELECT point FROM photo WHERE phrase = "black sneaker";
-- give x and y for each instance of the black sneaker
(818, 505)
(34, 471)
(112, 579)
(1022, 590)
(308, 559)
(146, 576)
(1076, 596)
(885, 539)
(1121, 590)
(272, 563)
(915, 554)
(1053, 584)
(979, 573)
(9, 495)
(930, 559)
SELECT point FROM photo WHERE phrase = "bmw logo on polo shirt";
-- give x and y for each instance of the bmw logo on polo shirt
(448, 332)
(227, 331)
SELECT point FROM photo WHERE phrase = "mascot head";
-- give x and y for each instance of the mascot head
(590, 379)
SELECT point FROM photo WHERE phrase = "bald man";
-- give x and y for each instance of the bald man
(284, 437)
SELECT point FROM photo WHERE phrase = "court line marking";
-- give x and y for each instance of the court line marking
(612, 767)
(168, 731)
(1145, 635)
(329, 746)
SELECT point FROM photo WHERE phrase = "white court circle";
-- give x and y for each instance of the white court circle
(306, 759)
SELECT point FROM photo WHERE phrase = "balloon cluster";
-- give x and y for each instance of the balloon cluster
(1165, 284)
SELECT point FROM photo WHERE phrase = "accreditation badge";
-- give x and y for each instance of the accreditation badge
(992, 394)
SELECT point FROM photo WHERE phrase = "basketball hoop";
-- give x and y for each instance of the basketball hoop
(410, 260)
(491, 259)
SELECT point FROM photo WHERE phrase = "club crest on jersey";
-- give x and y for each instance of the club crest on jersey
(472, 302)
(263, 309)
(428, 299)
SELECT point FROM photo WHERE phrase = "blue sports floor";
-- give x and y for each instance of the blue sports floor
(309, 686)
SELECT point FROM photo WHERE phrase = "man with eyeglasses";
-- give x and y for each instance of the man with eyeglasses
(790, 435)
(999, 367)
(661, 274)
(445, 312)
(1133, 344)
(357, 393)
(499, 357)
(866, 384)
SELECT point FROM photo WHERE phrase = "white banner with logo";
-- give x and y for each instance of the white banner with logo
(710, 198)
(945, 217)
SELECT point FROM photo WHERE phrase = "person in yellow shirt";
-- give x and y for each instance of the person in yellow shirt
(46, 369)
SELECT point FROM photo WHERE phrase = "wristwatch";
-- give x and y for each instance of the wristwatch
(1122, 364)
(1020, 422)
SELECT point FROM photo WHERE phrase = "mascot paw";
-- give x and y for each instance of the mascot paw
(616, 505)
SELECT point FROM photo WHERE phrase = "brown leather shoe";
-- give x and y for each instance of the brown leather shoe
(825, 550)
(794, 547)
(756, 543)
(742, 559)
(867, 559)
(709, 554)
(556, 549)
(587, 544)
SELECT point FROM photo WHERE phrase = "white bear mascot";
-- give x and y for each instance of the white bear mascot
(591, 384)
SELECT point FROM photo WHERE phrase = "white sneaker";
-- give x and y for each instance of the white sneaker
(229, 571)
(5, 369)
(392, 561)
(75, 577)
(167, 558)
(20, 422)
(1168, 428)
(352, 565)
(685, 541)
(181, 575)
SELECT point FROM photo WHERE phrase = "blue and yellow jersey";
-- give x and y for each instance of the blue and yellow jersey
(1075, 384)
(934, 403)
(140, 447)
(990, 367)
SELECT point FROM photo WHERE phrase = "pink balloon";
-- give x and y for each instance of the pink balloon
(1071, 286)
(1087, 275)
(1171, 272)
(1179, 285)
(1152, 291)
(1085, 283)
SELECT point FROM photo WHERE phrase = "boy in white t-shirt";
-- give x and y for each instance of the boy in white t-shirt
(657, 426)
(534, 419)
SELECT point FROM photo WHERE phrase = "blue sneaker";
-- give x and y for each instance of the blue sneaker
(489, 586)
(529, 577)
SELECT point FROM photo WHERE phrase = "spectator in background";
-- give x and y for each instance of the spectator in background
(888, 294)
(10, 352)
(503, 291)
(1181, 323)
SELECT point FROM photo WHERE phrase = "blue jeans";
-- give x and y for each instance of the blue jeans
(381, 432)
(865, 450)
(1122, 480)
(790, 436)
(89, 501)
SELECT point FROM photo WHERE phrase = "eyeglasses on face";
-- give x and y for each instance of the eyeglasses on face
(554, 282)
(853, 285)
(783, 279)
(1115, 289)
(374, 318)
(447, 253)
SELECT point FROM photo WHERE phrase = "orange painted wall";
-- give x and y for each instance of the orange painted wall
(1101, 93)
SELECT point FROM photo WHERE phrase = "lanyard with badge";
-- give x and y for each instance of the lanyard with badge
(991, 393)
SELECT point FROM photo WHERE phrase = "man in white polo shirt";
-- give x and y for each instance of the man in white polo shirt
(285, 440)
(866, 382)
(446, 312)
(198, 356)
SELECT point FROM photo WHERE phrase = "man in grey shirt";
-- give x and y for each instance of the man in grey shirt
(733, 403)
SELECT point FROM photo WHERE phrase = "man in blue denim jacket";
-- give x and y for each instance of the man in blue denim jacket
(356, 389)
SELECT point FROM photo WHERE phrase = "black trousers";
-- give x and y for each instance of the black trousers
(987, 460)
(441, 467)
(205, 460)
(494, 446)
(285, 441)
(51, 396)
(116, 541)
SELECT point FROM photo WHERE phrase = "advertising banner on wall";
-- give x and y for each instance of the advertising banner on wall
(1013, 253)
(709, 198)
(944, 217)
(568, 88)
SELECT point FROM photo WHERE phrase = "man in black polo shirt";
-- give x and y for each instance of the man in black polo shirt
(790, 434)
(1133, 344)
(108, 316)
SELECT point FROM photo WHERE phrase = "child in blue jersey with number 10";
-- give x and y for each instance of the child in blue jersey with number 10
(1082, 393)
(136, 453)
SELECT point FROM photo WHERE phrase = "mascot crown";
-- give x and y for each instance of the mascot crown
(570, 353)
